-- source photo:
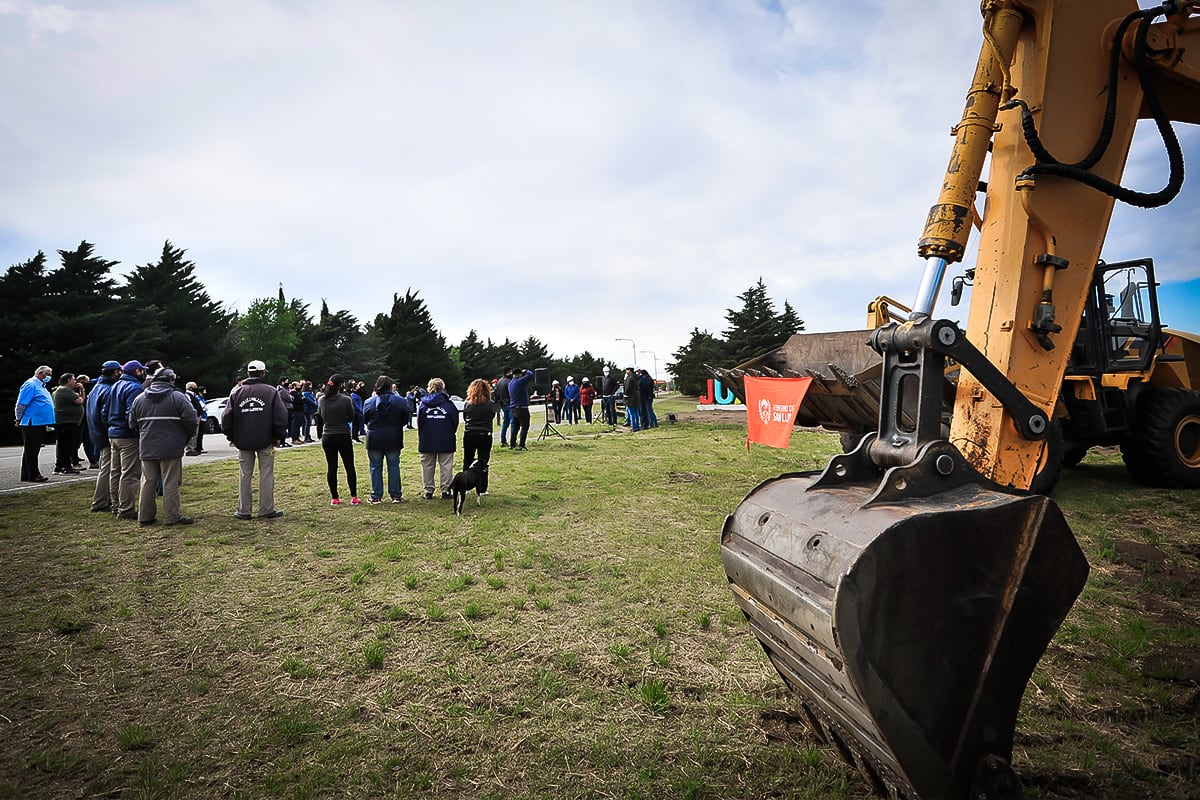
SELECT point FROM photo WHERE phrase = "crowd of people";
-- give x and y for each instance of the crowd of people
(135, 426)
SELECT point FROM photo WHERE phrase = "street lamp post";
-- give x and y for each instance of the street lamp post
(633, 345)
(651, 352)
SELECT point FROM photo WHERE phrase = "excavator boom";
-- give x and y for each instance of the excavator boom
(906, 592)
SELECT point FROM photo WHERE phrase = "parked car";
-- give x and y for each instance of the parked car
(214, 408)
(459, 403)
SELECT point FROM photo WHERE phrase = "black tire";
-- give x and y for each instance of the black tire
(1165, 450)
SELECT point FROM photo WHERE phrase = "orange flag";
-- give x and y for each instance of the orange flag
(771, 405)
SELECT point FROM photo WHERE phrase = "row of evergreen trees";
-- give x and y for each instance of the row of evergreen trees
(76, 315)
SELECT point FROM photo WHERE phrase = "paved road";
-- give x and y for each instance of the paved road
(216, 445)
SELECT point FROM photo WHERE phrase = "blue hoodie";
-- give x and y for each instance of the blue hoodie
(518, 389)
(437, 424)
(386, 416)
(124, 392)
(97, 411)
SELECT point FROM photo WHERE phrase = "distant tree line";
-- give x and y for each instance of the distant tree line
(75, 315)
(754, 329)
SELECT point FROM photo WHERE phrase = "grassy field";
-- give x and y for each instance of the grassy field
(572, 637)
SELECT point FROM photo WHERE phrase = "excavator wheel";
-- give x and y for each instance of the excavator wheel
(1165, 450)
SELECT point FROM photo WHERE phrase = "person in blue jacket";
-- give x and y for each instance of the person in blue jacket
(386, 415)
(96, 418)
(34, 411)
(123, 439)
(437, 436)
(518, 396)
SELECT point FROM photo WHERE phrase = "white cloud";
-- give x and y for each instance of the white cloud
(576, 172)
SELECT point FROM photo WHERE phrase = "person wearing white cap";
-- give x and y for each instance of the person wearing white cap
(571, 401)
(254, 421)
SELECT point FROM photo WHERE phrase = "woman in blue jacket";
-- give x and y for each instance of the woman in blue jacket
(386, 414)
(437, 432)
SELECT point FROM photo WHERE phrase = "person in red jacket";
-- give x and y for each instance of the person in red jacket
(587, 396)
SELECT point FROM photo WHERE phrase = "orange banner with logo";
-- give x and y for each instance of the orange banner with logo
(771, 405)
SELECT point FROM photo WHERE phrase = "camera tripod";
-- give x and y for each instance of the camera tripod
(548, 429)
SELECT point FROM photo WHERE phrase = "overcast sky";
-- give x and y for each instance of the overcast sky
(576, 171)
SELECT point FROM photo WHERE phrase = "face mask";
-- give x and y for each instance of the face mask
(46, 379)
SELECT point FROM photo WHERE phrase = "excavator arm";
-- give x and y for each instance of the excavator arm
(1058, 91)
(906, 592)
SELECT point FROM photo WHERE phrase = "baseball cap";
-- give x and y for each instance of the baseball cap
(132, 366)
(110, 364)
(256, 366)
(165, 374)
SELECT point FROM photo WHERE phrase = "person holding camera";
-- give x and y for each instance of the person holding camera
(518, 394)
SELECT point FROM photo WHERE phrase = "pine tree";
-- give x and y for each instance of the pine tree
(196, 331)
(688, 368)
(789, 321)
(754, 328)
(416, 350)
(266, 331)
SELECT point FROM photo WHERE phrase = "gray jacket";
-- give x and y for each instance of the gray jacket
(164, 420)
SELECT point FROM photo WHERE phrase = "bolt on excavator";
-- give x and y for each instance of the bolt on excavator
(906, 592)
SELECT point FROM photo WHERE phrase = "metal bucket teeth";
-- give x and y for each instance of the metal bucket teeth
(907, 629)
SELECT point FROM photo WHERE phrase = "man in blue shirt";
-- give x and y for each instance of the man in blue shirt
(33, 412)
(518, 395)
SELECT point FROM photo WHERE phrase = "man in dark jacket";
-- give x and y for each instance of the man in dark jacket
(254, 420)
(123, 440)
(518, 394)
(608, 397)
(166, 421)
(633, 400)
(646, 385)
(96, 418)
(505, 402)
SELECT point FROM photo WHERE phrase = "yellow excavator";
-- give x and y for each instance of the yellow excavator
(906, 592)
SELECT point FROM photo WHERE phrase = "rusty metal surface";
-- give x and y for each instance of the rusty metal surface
(905, 612)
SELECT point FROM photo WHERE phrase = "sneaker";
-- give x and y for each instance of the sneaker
(181, 521)
(126, 514)
(241, 516)
(429, 495)
(272, 515)
(397, 499)
(354, 501)
(335, 502)
(102, 508)
(192, 453)
(446, 495)
(374, 500)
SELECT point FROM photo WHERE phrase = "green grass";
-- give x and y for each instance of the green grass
(573, 637)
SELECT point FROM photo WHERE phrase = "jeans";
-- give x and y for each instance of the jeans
(376, 460)
(648, 418)
(633, 416)
(507, 411)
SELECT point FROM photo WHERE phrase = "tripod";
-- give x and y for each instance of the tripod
(549, 429)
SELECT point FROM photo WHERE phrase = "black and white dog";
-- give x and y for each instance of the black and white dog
(464, 482)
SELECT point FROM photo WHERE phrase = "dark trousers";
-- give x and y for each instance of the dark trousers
(334, 446)
(66, 446)
(32, 437)
(477, 446)
(520, 425)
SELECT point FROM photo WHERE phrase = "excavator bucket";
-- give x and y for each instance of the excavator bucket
(906, 611)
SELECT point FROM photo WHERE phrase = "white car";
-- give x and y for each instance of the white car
(459, 403)
(214, 408)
